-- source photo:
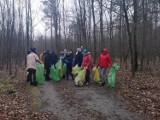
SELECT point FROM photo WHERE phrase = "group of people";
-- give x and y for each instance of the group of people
(83, 59)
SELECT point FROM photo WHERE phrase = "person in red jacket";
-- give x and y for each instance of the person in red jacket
(104, 62)
(86, 63)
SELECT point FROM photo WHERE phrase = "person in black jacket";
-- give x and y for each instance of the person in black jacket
(54, 58)
(47, 64)
(78, 58)
(68, 60)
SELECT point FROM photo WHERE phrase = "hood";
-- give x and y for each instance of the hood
(105, 50)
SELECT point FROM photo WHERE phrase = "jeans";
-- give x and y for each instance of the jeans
(103, 74)
(87, 76)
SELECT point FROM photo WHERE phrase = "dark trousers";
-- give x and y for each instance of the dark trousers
(32, 77)
(69, 71)
(47, 74)
(87, 76)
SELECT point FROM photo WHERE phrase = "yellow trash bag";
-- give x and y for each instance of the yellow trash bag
(76, 70)
(80, 78)
(96, 77)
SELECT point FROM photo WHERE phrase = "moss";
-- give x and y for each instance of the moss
(36, 101)
(2, 86)
(7, 86)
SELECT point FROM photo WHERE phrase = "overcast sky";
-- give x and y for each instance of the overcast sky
(37, 14)
(37, 7)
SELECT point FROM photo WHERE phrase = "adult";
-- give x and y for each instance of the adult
(68, 60)
(47, 65)
(104, 62)
(41, 56)
(78, 58)
(86, 63)
(54, 58)
(32, 58)
(82, 48)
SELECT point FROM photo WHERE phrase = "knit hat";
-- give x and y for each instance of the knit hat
(85, 51)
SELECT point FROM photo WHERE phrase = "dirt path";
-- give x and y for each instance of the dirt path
(84, 103)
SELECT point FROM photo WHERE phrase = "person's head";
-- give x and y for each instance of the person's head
(85, 51)
(61, 53)
(53, 52)
(68, 53)
(104, 51)
(88, 52)
(78, 49)
(44, 52)
(33, 50)
(29, 51)
(65, 50)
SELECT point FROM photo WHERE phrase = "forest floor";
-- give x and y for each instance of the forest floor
(132, 99)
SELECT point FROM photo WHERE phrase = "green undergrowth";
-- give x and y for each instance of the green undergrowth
(36, 100)
(6, 85)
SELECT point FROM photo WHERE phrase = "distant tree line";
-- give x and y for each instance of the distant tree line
(128, 28)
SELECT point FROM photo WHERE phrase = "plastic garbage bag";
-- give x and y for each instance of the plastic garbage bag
(76, 70)
(80, 78)
(64, 68)
(96, 77)
(59, 68)
(54, 74)
(40, 73)
(112, 75)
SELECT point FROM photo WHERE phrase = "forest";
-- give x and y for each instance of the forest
(129, 29)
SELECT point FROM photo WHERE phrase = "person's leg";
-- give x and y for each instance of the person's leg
(64, 75)
(103, 73)
(70, 71)
(30, 77)
(47, 74)
(34, 78)
(28, 80)
(87, 77)
(67, 72)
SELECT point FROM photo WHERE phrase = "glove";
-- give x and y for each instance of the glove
(86, 67)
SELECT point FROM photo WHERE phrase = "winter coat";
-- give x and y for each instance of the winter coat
(68, 59)
(104, 59)
(31, 61)
(47, 60)
(54, 58)
(87, 61)
(62, 57)
(78, 59)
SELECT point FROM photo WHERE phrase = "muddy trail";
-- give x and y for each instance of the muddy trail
(93, 102)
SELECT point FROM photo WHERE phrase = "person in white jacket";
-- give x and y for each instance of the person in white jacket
(32, 58)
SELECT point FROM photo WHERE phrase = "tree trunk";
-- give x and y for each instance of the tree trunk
(130, 37)
(94, 32)
(135, 35)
